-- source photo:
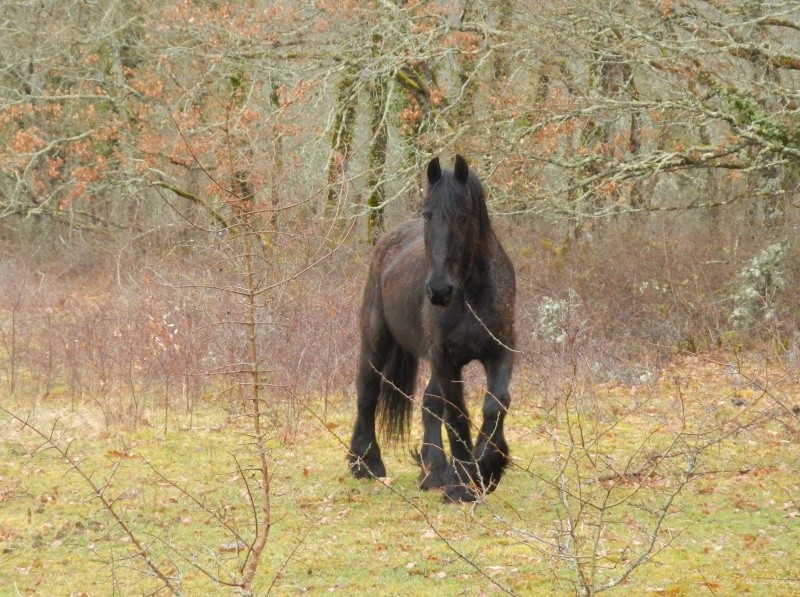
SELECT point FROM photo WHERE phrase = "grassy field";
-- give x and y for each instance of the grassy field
(696, 473)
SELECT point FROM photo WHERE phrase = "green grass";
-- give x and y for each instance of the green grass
(733, 529)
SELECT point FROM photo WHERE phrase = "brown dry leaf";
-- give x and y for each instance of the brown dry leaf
(7, 489)
(743, 504)
(749, 539)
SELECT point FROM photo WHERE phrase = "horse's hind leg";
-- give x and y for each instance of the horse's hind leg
(365, 454)
(491, 450)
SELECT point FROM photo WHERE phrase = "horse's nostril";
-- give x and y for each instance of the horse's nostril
(439, 296)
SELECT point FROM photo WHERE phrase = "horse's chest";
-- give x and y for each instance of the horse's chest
(464, 341)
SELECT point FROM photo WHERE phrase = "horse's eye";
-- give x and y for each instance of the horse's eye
(426, 215)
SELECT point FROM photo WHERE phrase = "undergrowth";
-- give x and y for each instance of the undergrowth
(732, 528)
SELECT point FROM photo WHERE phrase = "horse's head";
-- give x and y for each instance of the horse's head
(456, 221)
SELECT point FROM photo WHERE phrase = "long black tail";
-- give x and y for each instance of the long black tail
(396, 404)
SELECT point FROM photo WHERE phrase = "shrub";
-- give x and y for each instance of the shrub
(761, 281)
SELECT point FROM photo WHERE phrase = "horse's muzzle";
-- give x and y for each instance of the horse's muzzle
(439, 295)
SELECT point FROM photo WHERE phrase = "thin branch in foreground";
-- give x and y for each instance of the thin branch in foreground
(99, 492)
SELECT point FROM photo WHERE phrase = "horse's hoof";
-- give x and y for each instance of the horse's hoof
(459, 494)
(430, 480)
(367, 469)
(432, 474)
(492, 463)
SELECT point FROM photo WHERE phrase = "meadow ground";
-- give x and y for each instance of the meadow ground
(695, 471)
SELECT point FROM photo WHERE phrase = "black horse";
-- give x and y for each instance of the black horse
(441, 288)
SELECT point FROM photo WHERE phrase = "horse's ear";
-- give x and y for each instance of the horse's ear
(461, 170)
(434, 171)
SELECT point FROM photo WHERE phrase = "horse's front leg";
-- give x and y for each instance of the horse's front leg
(431, 457)
(491, 450)
(462, 473)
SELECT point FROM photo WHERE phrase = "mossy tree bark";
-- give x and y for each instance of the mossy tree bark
(342, 137)
(378, 102)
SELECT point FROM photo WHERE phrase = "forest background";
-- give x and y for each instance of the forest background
(189, 192)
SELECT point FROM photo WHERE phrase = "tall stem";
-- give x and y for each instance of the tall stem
(262, 526)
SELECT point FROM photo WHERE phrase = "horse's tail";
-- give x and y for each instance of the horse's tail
(396, 404)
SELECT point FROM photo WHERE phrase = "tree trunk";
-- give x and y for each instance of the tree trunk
(378, 101)
(342, 138)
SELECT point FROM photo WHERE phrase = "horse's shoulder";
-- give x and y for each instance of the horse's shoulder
(398, 243)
